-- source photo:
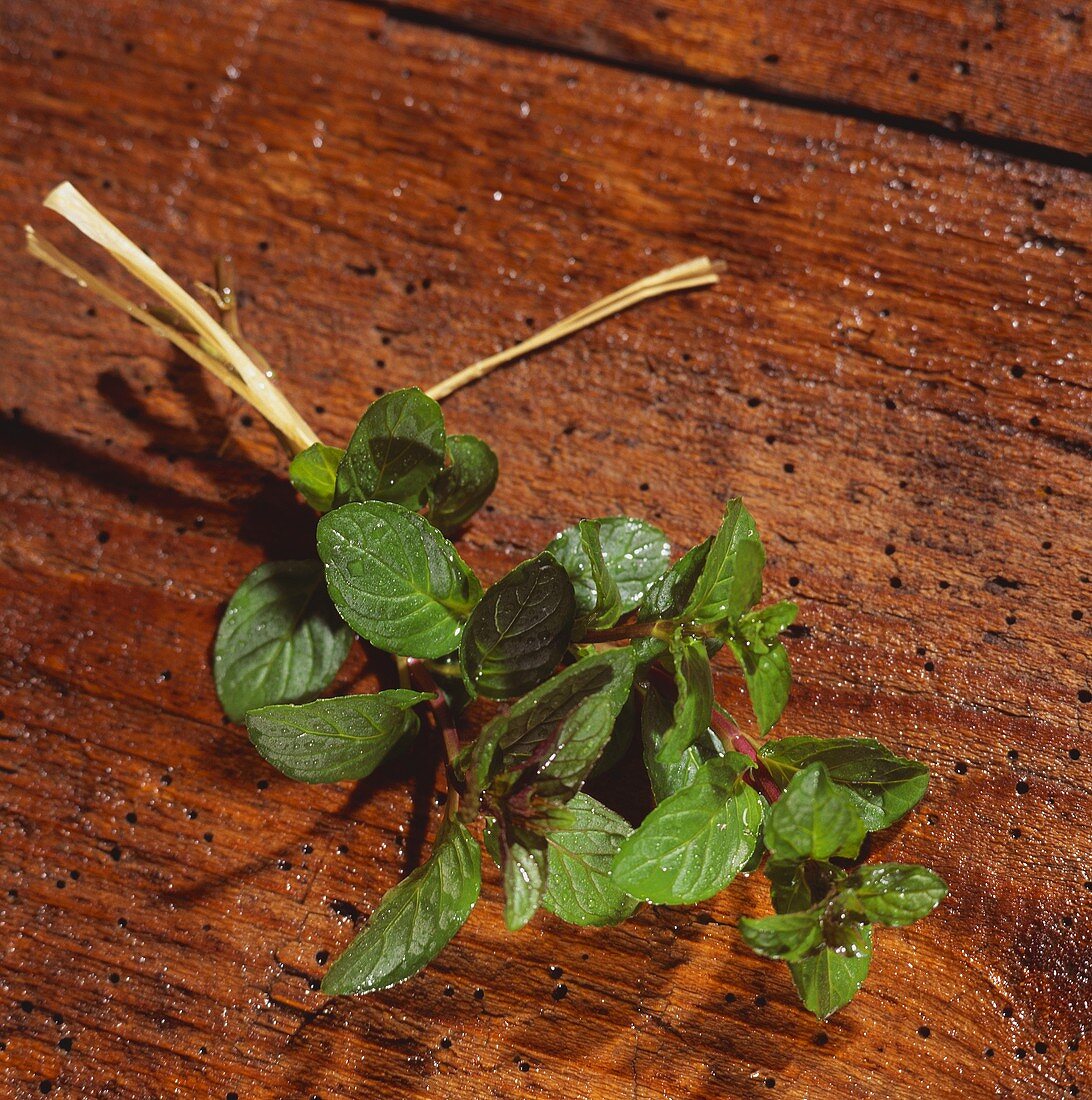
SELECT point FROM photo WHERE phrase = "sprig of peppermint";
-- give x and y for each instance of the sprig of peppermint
(592, 638)
(595, 642)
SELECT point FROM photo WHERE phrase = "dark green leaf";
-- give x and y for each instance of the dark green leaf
(766, 671)
(607, 608)
(280, 640)
(395, 579)
(826, 980)
(334, 739)
(625, 729)
(845, 930)
(464, 485)
(813, 819)
(396, 450)
(795, 885)
(669, 595)
(635, 552)
(561, 728)
(668, 777)
(895, 894)
(415, 919)
(314, 474)
(731, 578)
(788, 936)
(519, 632)
(883, 786)
(523, 861)
(693, 843)
(579, 888)
(694, 702)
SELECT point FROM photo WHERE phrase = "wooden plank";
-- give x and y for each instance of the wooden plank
(893, 372)
(1017, 72)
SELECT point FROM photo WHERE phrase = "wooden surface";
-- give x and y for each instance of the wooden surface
(1005, 72)
(894, 373)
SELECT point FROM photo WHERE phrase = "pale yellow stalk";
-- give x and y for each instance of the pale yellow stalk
(260, 391)
(693, 273)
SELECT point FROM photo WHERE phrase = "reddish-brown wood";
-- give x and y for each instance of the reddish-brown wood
(1016, 71)
(893, 371)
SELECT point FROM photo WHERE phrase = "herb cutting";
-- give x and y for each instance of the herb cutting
(599, 645)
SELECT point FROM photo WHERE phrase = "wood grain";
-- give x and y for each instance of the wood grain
(1009, 71)
(893, 372)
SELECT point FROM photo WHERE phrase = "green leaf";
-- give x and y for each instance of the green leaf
(669, 595)
(464, 485)
(883, 786)
(334, 739)
(396, 450)
(415, 919)
(895, 894)
(731, 578)
(625, 729)
(826, 980)
(693, 843)
(768, 679)
(798, 885)
(788, 936)
(635, 553)
(694, 702)
(561, 728)
(395, 579)
(280, 641)
(313, 473)
(845, 930)
(766, 623)
(519, 632)
(579, 888)
(813, 819)
(666, 777)
(607, 609)
(523, 861)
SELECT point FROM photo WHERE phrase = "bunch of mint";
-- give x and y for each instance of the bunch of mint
(600, 640)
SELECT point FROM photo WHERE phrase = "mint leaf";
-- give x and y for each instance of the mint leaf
(766, 623)
(693, 843)
(523, 862)
(415, 919)
(334, 739)
(844, 929)
(895, 894)
(313, 473)
(883, 786)
(826, 981)
(800, 885)
(669, 594)
(560, 729)
(279, 641)
(694, 702)
(813, 819)
(766, 672)
(607, 609)
(788, 936)
(666, 777)
(519, 632)
(635, 553)
(626, 726)
(395, 451)
(579, 888)
(464, 485)
(731, 578)
(395, 579)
